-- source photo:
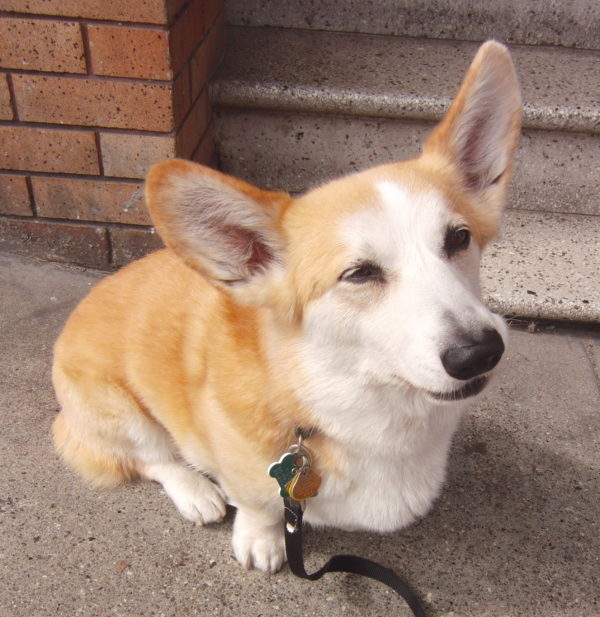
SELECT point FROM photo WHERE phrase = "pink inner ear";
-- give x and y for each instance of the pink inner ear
(250, 246)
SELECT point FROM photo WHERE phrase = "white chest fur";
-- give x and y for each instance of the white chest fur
(393, 451)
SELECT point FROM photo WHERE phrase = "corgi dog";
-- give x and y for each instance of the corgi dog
(352, 313)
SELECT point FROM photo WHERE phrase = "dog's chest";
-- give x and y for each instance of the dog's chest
(381, 492)
(377, 494)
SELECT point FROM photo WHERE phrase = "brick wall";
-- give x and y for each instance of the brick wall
(92, 92)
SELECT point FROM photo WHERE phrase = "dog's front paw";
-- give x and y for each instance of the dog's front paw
(200, 501)
(258, 542)
(196, 497)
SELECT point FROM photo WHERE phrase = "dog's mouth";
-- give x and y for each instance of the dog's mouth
(471, 388)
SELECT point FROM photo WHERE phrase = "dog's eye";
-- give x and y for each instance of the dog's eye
(457, 239)
(363, 273)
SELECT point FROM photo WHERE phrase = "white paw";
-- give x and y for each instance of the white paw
(200, 501)
(258, 544)
(197, 498)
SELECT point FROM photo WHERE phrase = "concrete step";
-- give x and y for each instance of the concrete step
(391, 76)
(544, 22)
(544, 266)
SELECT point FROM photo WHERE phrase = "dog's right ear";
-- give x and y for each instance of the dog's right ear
(223, 227)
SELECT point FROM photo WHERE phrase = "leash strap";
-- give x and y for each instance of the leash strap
(340, 563)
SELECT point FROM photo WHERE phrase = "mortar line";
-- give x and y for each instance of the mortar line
(87, 50)
(53, 126)
(99, 153)
(143, 25)
(29, 185)
(78, 222)
(13, 99)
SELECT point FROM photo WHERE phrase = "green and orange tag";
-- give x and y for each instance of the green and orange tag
(295, 475)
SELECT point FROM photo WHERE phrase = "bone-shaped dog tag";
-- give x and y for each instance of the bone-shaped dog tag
(284, 472)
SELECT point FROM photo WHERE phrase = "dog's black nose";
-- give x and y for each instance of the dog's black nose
(473, 355)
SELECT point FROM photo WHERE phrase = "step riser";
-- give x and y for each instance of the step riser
(555, 171)
(568, 24)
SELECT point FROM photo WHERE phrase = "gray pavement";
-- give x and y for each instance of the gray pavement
(516, 532)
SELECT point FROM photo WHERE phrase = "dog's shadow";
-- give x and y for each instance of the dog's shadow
(515, 531)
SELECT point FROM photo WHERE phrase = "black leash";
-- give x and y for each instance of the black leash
(298, 481)
(340, 563)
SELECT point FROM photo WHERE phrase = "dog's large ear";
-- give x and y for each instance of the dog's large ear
(480, 132)
(223, 227)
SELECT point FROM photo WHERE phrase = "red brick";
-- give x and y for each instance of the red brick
(84, 245)
(6, 112)
(41, 45)
(131, 244)
(130, 156)
(94, 102)
(90, 200)
(150, 11)
(187, 33)
(130, 52)
(193, 128)
(50, 150)
(205, 59)
(14, 195)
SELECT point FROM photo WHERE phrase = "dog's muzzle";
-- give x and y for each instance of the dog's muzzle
(471, 388)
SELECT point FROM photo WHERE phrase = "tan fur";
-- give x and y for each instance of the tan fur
(162, 350)
(201, 355)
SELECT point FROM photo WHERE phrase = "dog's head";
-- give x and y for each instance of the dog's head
(377, 270)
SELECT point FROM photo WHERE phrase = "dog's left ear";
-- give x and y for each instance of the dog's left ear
(480, 132)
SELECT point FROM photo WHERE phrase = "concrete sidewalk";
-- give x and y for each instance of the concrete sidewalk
(516, 532)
